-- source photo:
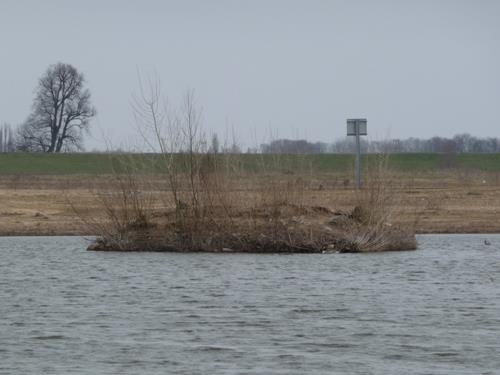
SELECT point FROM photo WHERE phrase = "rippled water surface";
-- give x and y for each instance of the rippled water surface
(64, 310)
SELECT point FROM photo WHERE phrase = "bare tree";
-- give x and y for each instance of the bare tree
(60, 113)
(193, 142)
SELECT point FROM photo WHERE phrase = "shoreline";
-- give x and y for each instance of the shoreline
(36, 233)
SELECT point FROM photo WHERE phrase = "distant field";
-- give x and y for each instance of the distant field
(95, 164)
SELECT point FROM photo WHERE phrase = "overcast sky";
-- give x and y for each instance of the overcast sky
(413, 68)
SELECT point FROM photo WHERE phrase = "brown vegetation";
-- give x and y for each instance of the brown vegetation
(202, 206)
(442, 203)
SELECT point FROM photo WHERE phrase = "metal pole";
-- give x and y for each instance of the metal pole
(358, 158)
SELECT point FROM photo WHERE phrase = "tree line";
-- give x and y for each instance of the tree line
(460, 143)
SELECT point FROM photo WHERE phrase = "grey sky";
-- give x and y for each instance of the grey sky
(413, 68)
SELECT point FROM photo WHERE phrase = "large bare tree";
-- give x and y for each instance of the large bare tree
(60, 113)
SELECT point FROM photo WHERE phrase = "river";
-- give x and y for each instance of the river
(64, 310)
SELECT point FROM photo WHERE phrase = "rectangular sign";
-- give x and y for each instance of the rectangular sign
(359, 123)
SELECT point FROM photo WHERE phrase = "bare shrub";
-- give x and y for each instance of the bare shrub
(192, 198)
(371, 227)
(126, 201)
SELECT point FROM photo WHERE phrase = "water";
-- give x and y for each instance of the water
(64, 310)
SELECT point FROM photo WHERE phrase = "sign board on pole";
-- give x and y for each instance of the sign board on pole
(356, 122)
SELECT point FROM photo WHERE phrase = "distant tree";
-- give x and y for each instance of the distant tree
(231, 149)
(321, 147)
(215, 144)
(60, 114)
(288, 146)
(461, 143)
(7, 143)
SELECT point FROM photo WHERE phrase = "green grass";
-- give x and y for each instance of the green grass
(95, 164)
(33, 163)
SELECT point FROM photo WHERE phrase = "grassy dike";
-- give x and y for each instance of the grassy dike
(96, 164)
